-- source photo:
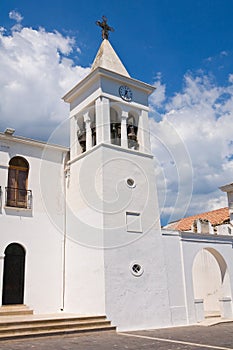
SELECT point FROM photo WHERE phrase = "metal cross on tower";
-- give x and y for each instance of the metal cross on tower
(105, 27)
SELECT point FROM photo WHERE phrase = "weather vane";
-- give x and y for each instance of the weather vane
(105, 27)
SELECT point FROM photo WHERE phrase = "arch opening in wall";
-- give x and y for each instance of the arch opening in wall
(17, 193)
(132, 131)
(86, 121)
(92, 116)
(211, 281)
(115, 127)
(13, 275)
(81, 133)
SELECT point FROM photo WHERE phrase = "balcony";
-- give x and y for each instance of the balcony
(18, 198)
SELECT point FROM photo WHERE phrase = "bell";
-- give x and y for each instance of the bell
(131, 134)
(82, 139)
(93, 133)
(132, 139)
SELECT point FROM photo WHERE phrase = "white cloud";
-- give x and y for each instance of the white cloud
(158, 96)
(36, 72)
(223, 53)
(192, 143)
(202, 117)
(230, 78)
(16, 16)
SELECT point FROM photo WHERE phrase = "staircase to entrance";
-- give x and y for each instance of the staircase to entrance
(18, 321)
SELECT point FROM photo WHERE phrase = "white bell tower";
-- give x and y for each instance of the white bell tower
(109, 107)
(114, 261)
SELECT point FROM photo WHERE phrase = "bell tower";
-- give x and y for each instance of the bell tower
(114, 256)
(109, 106)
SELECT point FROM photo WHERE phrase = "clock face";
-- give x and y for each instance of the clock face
(125, 93)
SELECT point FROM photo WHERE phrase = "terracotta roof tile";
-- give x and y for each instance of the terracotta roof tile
(216, 217)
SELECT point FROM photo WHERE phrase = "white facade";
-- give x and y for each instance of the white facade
(89, 223)
(31, 227)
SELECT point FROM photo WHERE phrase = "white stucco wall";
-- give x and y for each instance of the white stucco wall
(38, 230)
(133, 302)
(81, 262)
(84, 254)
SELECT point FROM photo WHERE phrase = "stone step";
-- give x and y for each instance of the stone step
(20, 328)
(60, 322)
(15, 310)
(212, 314)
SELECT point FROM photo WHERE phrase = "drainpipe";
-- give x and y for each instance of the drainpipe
(66, 174)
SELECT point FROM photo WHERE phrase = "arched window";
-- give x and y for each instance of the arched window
(16, 191)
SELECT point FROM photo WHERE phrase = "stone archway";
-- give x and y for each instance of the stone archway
(211, 281)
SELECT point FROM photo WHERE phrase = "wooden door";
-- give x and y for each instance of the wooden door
(13, 275)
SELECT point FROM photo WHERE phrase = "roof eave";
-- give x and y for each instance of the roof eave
(33, 142)
(227, 188)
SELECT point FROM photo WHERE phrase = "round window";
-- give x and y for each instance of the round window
(136, 269)
(130, 182)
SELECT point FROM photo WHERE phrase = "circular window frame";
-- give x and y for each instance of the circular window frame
(133, 267)
(133, 183)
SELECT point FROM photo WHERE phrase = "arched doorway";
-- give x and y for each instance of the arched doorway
(211, 280)
(13, 275)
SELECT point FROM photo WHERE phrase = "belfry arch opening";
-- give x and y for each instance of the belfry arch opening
(115, 127)
(86, 129)
(211, 281)
(132, 131)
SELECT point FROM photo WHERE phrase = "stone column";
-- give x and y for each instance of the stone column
(199, 309)
(102, 112)
(73, 138)
(230, 204)
(87, 121)
(124, 139)
(226, 307)
(144, 133)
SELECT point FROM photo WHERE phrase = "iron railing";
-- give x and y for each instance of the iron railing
(19, 198)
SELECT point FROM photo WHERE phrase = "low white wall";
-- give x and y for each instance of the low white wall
(175, 275)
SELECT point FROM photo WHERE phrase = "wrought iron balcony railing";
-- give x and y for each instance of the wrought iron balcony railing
(19, 198)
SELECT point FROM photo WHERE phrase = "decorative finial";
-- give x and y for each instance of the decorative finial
(105, 27)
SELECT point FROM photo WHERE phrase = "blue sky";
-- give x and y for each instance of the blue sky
(184, 48)
(166, 36)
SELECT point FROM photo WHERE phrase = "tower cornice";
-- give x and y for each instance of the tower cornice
(102, 72)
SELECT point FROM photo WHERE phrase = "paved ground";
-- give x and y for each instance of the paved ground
(218, 337)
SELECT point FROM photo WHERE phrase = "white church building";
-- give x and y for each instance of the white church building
(80, 226)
